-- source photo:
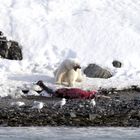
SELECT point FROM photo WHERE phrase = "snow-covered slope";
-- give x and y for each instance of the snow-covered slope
(93, 31)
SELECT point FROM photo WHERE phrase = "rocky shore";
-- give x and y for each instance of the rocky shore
(117, 108)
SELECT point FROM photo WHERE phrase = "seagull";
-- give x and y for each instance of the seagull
(36, 88)
(37, 105)
(18, 104)
(92, 102)
(61, 103)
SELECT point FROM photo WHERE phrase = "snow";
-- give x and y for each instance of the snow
(88, 30)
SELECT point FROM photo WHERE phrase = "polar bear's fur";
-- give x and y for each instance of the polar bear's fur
(72, 76)
(69, 71)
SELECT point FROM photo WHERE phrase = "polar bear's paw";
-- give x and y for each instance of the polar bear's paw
(71, 84)
(58, 83)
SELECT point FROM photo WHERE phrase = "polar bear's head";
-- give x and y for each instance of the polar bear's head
(71, 64)
(77, 66)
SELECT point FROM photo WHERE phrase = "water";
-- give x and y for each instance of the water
(69, 133)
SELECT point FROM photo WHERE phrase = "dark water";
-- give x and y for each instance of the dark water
(69, 133)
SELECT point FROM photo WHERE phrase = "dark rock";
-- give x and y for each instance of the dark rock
(95, 71)
(1, 33)
(10, 49)
(117, 64)
(3, 47)
(14, 51)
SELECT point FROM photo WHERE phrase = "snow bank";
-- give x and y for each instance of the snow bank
(91, 31)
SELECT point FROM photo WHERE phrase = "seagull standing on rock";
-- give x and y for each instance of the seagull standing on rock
(37, 105)
(17, 104)
(61, 103)
(92, 102)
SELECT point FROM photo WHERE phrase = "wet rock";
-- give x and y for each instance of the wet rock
(95, 71)
(117, 64)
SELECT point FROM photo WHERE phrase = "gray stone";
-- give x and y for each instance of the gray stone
(73, 115)
(117, 64)
(95, 71)
(92, 116)
(3, 47)
(14, 51)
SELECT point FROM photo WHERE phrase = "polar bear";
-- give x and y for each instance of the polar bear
(69, 71)
(72, 76)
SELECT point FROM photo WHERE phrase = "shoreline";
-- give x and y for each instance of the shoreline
(122, 109)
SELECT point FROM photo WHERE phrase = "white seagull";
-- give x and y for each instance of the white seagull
(61, 103)
(18, 104)
(37, 105)
(92, 102)
(36, 87)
